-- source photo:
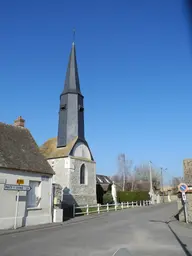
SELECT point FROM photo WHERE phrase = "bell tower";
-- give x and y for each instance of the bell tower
(71, 111)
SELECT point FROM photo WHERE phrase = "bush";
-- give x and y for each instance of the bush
(107, 198)
(129, 196)
(109, 188)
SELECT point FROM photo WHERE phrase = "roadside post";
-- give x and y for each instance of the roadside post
(183, 188)
(19, 187)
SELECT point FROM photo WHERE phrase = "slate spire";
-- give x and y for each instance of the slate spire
(71, 112)
(72, 84)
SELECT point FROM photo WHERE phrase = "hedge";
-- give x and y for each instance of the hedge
(107, 198)
(129, 196)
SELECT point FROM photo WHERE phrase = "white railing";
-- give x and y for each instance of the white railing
(90, 209)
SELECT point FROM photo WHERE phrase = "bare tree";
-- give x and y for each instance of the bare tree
(131, 177)
(124, 174)
(142, 175)
(122, 169)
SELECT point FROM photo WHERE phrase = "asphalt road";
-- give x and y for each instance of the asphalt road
(143, 231)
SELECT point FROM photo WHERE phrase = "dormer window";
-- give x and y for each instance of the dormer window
(81, 108)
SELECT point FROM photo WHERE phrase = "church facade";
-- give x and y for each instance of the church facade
(69, 154)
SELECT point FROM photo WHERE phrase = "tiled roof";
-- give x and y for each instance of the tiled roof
(19, 151)
(49, 148)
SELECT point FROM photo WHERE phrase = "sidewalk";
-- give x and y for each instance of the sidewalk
(51, 225)
(183, 234)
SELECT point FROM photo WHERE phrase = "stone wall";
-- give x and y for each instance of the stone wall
(189, 206)
(187, 171)
(181, 209)
(174, 198)
(83, 193)
(187, 167)
(67, 175)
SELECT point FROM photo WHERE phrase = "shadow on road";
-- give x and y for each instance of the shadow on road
(179, 212)
(183, 246)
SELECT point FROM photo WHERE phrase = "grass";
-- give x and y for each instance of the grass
(94, 210)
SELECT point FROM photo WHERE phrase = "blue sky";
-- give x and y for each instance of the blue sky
(135, 66)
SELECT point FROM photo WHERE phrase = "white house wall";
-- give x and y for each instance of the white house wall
(26, 216)
(62, 171)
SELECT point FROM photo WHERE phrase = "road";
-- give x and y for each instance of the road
(144, 231)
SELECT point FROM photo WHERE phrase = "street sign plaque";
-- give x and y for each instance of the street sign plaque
(184, 196)
(16, 187)
(20, 181)
(183, 187)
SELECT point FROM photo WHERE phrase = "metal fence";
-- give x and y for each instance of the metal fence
(91, 209)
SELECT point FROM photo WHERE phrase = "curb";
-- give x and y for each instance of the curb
(27, 229)
(49, 226)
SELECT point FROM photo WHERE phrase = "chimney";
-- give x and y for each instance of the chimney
(19, 122)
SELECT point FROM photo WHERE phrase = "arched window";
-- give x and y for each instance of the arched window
(82, 174)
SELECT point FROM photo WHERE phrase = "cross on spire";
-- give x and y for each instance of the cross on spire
(74, 36)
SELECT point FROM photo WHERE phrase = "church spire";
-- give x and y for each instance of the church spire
(72, 84)
(71, 112)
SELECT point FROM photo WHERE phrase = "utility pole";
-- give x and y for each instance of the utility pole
(150, 177)
(151, 183)
(162, 187)
(162, 184)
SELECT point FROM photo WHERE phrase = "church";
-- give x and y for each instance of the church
(69, 154)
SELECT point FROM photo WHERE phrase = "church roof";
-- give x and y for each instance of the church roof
(49, 148)
(19, 151)
(72, 84)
